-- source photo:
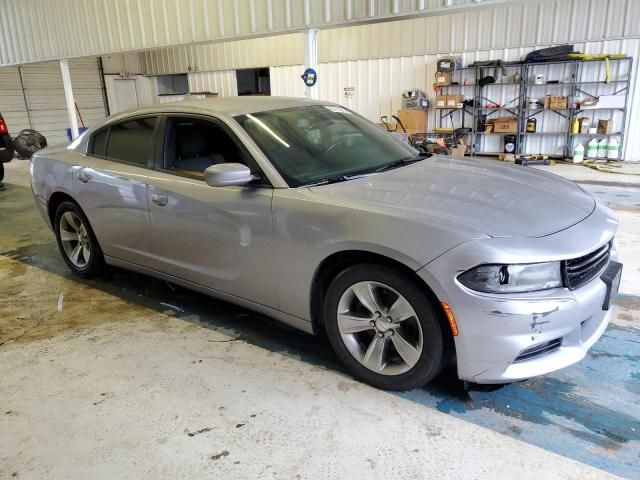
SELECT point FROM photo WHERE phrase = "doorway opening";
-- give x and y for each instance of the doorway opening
(253, 81)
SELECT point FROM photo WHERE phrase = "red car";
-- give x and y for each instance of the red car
(6, 146)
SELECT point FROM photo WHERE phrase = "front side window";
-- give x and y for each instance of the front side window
(312, 144)
(194, 144)
(129, 141)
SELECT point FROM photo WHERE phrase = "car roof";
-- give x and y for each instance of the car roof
(230, 106)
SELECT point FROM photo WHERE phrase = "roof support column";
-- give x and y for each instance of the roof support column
(68, 95)
(311, 57)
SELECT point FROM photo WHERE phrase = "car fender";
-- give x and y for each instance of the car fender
(49, 175)
(308, 231)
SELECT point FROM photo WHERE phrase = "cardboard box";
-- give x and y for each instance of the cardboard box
(505, 125)
(556, 102)
(443, 79)
(605, 126)
(584, 124)
(488, 125)
(460, 149)
(415, 121)
(454, 100)
(441, 101)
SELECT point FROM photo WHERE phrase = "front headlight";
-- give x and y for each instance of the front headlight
(513, 278)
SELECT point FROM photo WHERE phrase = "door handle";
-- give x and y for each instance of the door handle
(84, 177)
(159, 199)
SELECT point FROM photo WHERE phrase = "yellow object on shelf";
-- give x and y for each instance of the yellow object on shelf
(575, 125)
(442, 130)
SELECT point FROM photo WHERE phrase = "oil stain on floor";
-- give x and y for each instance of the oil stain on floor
(588, 412)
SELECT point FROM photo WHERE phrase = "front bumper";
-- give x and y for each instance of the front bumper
(495, 330)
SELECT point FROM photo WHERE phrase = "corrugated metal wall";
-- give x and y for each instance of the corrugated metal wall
(279, 50)
(525, 25)
(12, 104)
(222, 82)
(518, 26)
(37, 30)
(46, 101)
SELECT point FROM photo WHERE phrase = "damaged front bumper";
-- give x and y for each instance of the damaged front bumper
(509, 337)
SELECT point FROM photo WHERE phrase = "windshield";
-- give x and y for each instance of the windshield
(317, 143)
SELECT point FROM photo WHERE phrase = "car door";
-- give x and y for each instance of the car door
(219, 237)
(111, 187)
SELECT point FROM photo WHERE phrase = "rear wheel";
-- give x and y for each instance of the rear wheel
(1, 171)
(383, 328)
(76, 241)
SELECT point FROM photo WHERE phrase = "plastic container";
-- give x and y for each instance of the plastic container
(602, 148)
(575, 125)
(532, 124)
(578, 154)
(613, 149)
(81, 130)
(509, 144)
(592, 148)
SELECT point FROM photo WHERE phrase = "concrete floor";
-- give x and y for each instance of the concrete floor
(123, 377)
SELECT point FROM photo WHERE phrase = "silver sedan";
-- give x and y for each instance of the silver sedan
(307, 212)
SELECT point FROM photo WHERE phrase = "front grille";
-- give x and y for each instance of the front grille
(581, 270)
(538, 350)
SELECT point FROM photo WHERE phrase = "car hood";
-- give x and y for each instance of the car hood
(474, 198)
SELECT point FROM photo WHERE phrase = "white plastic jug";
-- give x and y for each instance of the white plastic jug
(592, 148)
(613, 149)
(602, 148)
(578, 154)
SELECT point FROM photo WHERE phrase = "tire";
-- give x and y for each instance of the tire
(70, 220)
(1, 171)
(407, 318)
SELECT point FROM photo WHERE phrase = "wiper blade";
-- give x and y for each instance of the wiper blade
(400, 163)
(336, 179)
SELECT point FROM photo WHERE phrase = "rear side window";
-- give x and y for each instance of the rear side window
(100, 142)
(130, 141)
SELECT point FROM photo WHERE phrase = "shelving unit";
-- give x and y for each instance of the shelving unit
(447, 114)
(578, 86)
(582, 79)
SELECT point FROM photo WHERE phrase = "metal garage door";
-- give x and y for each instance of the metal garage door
(12, 105)
(45, 96)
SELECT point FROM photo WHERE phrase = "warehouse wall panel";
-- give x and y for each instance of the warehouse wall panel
(277, 50)
(27, 32)
(12, 106)
(46, 101)
(223, 82)
(517, 25)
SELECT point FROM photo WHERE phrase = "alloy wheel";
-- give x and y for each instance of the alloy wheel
(380, 328)
(75, 239)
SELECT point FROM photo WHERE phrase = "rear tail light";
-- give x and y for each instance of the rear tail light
(3, 126)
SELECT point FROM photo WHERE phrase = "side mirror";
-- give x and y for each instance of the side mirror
(225, 174)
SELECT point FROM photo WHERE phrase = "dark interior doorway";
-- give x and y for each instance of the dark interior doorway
(253, 81)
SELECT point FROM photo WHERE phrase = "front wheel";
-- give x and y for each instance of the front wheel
(76, 241)
(383, 328)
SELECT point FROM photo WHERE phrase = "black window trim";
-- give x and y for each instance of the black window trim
(152, 151)
(163, 138)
